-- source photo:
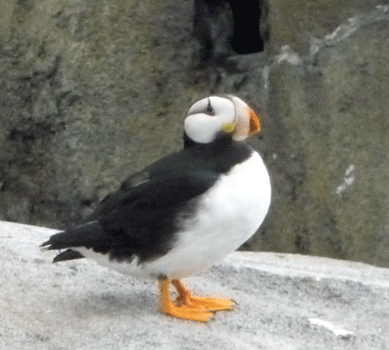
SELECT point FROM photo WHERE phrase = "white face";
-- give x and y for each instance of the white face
(209, 116)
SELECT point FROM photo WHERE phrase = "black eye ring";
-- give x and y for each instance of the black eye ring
(209, 109)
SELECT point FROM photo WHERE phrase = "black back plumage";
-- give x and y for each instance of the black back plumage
(141, 218)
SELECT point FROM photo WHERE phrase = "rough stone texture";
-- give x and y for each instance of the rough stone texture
(91, 90)
(298, 23)
(329, 134)
(283, 302)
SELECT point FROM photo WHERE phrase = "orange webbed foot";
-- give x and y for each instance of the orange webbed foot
(211, 304)
(185, 297)
(187, 312)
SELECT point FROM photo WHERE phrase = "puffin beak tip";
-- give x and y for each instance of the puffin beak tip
(255, 125)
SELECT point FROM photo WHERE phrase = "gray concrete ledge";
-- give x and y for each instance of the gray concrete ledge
(284, 302)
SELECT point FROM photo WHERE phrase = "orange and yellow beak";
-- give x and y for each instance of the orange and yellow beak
(245, 125)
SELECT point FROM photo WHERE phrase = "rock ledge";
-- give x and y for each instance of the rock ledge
(284, 302)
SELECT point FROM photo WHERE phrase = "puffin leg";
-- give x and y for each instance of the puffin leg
(185, 297)
(185, 311)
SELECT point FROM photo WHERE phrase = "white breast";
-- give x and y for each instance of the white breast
(228, 214)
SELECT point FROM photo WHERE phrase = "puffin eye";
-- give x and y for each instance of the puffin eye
(210, 109)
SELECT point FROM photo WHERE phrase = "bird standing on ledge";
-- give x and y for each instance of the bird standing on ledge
(183, 213)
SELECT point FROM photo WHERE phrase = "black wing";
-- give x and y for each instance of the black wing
(141, 221)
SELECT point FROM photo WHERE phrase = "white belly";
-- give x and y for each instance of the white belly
(228, 214)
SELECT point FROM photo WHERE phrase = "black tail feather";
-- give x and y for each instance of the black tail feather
(68, 255)
(81, 236)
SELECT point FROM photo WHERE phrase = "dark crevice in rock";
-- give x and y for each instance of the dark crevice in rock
(250, 30)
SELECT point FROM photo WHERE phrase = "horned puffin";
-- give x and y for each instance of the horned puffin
(183, 213)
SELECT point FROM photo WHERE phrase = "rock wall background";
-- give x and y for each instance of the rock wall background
(92, 90)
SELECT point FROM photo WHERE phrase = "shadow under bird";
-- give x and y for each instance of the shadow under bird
(183, 213)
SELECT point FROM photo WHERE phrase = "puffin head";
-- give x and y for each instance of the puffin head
(216, 115)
